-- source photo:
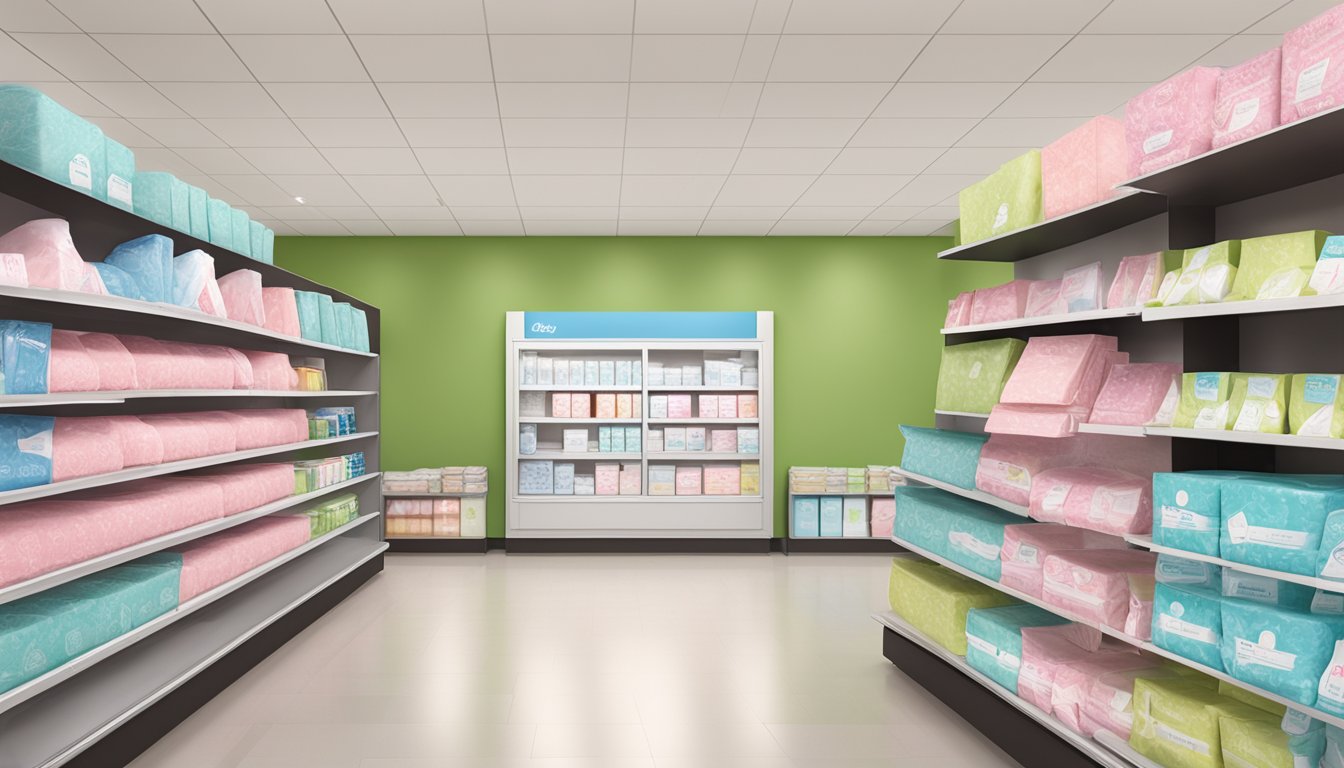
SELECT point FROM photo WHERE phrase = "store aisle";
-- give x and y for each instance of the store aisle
(671, 662)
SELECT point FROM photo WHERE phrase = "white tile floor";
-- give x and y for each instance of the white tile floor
(568, 661)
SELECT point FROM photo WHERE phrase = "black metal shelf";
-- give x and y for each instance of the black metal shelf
(1061, 231)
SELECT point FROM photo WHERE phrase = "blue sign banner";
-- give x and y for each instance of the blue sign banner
(639, 325)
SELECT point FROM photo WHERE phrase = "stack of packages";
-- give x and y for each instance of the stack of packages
(837, 480)
(312, 475)
(468, 481)
(807, 479)
(331, 514)
(1054, 385)
(1138, 394)
(1077, 290)
(414, 481)
(1305, 404)
(882, 479)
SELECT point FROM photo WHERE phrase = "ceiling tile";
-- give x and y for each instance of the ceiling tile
(296, 212)
(912, 132)
(563, 132)
(812, 228)
(256, 132)
(716, 17)
(931, 190)
(693, 99)
(280, 227)
(570, 228)
(423, 228)
(469, 160)
(148, 16)
(984, 58)
(20, 65)
(873, 190)
(916, 228)
(178, 132)
(560, 213)
(176, 58)
(1292, 15)
(425, 58)
(562, 99)
(770, 16)
(566, 190)
(820, 99)
(827, 212)
(214, 160)
(75, 56)
(943, 99)
(321, 228)
(867, 16)
(33, 16)
(664, 212)
(123, 131)
(486, 212)
(133, 99)
(565, 160)
(440, 99)
(558, 58)
(785, 160)
(884, 160)
(475, 190)
(75, 99)
(660, 228)
(670, 190)
(287, 160)
(410, 16)
(363, 161)
(530, 16)
(1131, 17)
(300, 58)
(680, 160)
(221, 99)
(758, 55)
(160, 159)
(351, 132)
(1067, 99)
(744, 189)
(991, 17)
(872, 228)
(713, 227)
(975, 160)
(256, 189)
(844, 58)
(492, 228)
(270, 17)
(465, 132)
(1019, 131)
(395, 190)
(896, 213)
(416, 213)
(361, 228)
(802, 132)
(943, 212)
(1111, 59)
(340, 212)
(746, 213)
(685, 132)
(1238, 49)
(686, 58)
(329, 99)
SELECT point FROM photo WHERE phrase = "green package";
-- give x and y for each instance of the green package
(1265, 742)
(1177, 722)
(1008, 199)
(935, 600)
(1314, 406)
(1278, 266)
(1164, 289)
(1233, 691)
(1225, 252)
(1206, 275)
(1204, 401)
(971, 376)
(1258, 403)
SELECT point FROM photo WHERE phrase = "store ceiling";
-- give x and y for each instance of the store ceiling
(605, 117)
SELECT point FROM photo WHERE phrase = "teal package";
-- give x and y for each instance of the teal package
(219, 216)
(268, 243)
(966, 532)
(942, 454)
(1278, 521)
(326, 309)
(1190, 573)
(1282, 650)
(241, 231)
(994, 639)
(1267, 590)
(806, 517)
(832, 516)
(153, 197)
(120, 181)
(181, 205)
(256, 238)
(1188, 622)
(41, 136)
(25, 450)
(149, 261)
(361, 321)
(25, 354)
(1187, 509)
(604, 439)
(198, 216)
(618, 440)
(345, 326)
(1330, 557)
(310, 314)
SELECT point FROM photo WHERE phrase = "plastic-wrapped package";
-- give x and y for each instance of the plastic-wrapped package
(271, 370)
(141, 444)
(149, 260)
(212, 367)
(1134, 393)
(198, 220)
(1044, 651)
(181, 439)
(942, 454)
(345, 321)
(1258, 402)
(959, 310)
(1073, 682)
(115, 365)
(1277, 266)
(83, 446)
(1272, 741)
(1026, 546)
(1277, 522)
(936, 600)
(1204, 401)
(361, 324)
(49, 254)
(194, 285)
(1171, 121)
(219, 558)
(971, 376)
(309, 305)
(221, 430)
(268, 242)
(966, 532)
(13, 271)
(1083, 166)
(1309, 84)
(116, 282)
(220, 219)
(1009, 463)
(1034, 420)
(1081, 288)
(256, 232)
(1000, 303)
(281, 310)
(1187, 620)
(71, 368)
(1098, 498)
(241, 232)
(26, 450)
(156, 366)
(1315, 408)
(243, 376)
(326, 312)
(1094, 584)
(91, 280)
(1177, 720)
(25, 353)
(1059, 370)
(1246, 102)
(994, 639)
(249, 486)
(1006, 200)
(241, 291)
(1044, 299)
(1139, 620)
(120, 174)
(39, 135)
(1281, 650)
(1110, 697)
(1187, 509)
(1138, 277)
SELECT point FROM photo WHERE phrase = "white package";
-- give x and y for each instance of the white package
(855, 516)
(576, 372)
(527, 439)
(672, 377)
(1081, 288)
(657, 406)
(561, 376)
(622, 373)
(545, 371)
(656, 378)
(576, 441)
(531, 403)
(691, 376)
(529, 367)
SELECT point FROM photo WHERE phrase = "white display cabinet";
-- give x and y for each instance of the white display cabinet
(703, 379)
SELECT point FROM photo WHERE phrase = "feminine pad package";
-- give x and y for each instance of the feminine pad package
(1008, 199)
(1188, 509)
(220, 219)
(1258, 403)
(117, 282)
(281, 311)
(221, 557)
(1047, 649)
(994, 639)
(41, 136)
(1073, 683)
(149, 261)
(1267, 590)
(1083, 166)
(1138, 278)
(1246, 102)
(25, 352)
(1327, 277)
(971, 376)
(942, 454)
(936, 601)
(959, 310)
(1187, 620)
(1177, 721)
(1106, 500)
(1272, 741)
(1094, 584)
(1279, 649)
(1000, 303)
(241, 231)
(49, 254)
(1009, 464)
(1277, 521)
(1054, 385)
(1080, 288)
(1044, 299)
(241, 293)
(194, 285)
(1315, 408)
(1171, 121)
(1133, 393)
(966, 532)
(1313, 80)
(1277, 266)
(1027, 545)
(1204, 401)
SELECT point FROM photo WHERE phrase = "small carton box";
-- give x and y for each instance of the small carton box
(657, 406)
(678, 406)
(561, 405)
(695, 438)
(709, 406)
(580, 405)
(576, 441)
(674, 439)
(606, 373)
(622, 373)
(606, 405)
(624, 405)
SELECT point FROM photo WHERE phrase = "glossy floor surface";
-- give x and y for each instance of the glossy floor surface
(760, 661)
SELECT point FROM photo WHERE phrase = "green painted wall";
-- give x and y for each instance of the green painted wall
(856, 329)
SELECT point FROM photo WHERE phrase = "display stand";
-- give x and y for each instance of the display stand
(1287, 180)
(639, 520)
(105, 707)
(438, 544)
(839, 544)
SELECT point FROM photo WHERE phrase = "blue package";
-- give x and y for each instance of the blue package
(942, 454)
(806, 517)
(118, 281)
(1277, 522)
(1187, 509)
(1267, 590)
(1282, 650)
(966, 532)
(832, 516)
(994, 639)
(149, 260)
(25, 450)
(24, 357)
(1188, 621)
(342, 419)
(1190, 573)
(564, 479)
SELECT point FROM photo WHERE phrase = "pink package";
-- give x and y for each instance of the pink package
(215, 364)
(723, 480)
(631, 480)
(1034, 420)
(83, 446)
(1008, 463)
(248, 486)
(214, 560)
(723, 440)
(12, 270)
(243, 376)
(241, 291)
(49, 254)
(1073, 683)
(70, 368)
(1139, 619)
(155, 367)
(1057, 370)
(688, 481)
(1044, 298)
(280, 310)
(1000, 303)
(1246, 103)
(1026, 545)
(92, 281)
(220, 428)
(181, 438)
(607, 479)
(1108, 706)
(141, 445)
(1309, 84)
(1097, 498)
(1094, 583)
(678, 406)
(252, 429)
(1133, 393)
(882, 516)
(1133, 283)
(707, 406)
(1044, 651)
(271, 370)
(116, 367)
(1083, 166)
(1171, 121)
(959, 310)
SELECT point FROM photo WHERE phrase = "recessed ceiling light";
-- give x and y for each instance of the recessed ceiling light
(299, 200)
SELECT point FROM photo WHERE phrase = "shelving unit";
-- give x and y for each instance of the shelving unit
(966, 493)
(644, 522)
(105, 706)
(1146, 542)
(838, 544)
(1047, 320)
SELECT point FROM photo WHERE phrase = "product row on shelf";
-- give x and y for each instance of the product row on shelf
(843, 480)
(841, 516)
(461, 481)
(558, 478)
(447, 517)
(713, 370)
(1198, 110)
(626, 405)
(619, 439)
(549, 370)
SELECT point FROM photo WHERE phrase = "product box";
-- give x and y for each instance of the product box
(585, 485)
(630, 481)
(632, 441)
(674, 439)
(1083, 166)
(564, 479)
(708, 406)
(678, 406)
(623, 373)
(576, 441)
(688, 480)
(529, 368)
(536, 477)
(1171, 121)
(606, 373)
(472, 517)
(723, 440)
(1315, 408)
(545, 371)
(527, 439)
(832, 516)
(606, 405)
(1246, 102)
(1312, 80)
(662, 480)
(855, 511)
(590, 374)
(655, 441)
(560, 405)
(746, 406)
(576, 373)
(728, 407)
(751, 479)
(692, 376)
(1008, 199)
(695, 438)
(604, 439)
(618, 439)
(624, 405)
(748, 440)
(608, 479)
(658, 406)
(1277, 266)
(936, 600)
(672, 376)
(806, 517)
(722, 480)
(580, 405)
(656, 378)
(561, 373)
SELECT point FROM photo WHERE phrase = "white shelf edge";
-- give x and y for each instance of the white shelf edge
(579, 388)
(15, 696)
(700, 456)
(1117, 634)
(1118, 430)
(874, 494)
(1031, 322)
(791, 537)
(1093, 749)
(431, 495)
(1146, 542)
(704, 421)
(121, 396)
(404, 537)
(1121, 749)
(973, 495)
(962, 414)
(153, 309)
(562, 420)
(580, 456)
(71, 572)
(1249, 307)
(1253, 438)
(157, 470)
(699, 388)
